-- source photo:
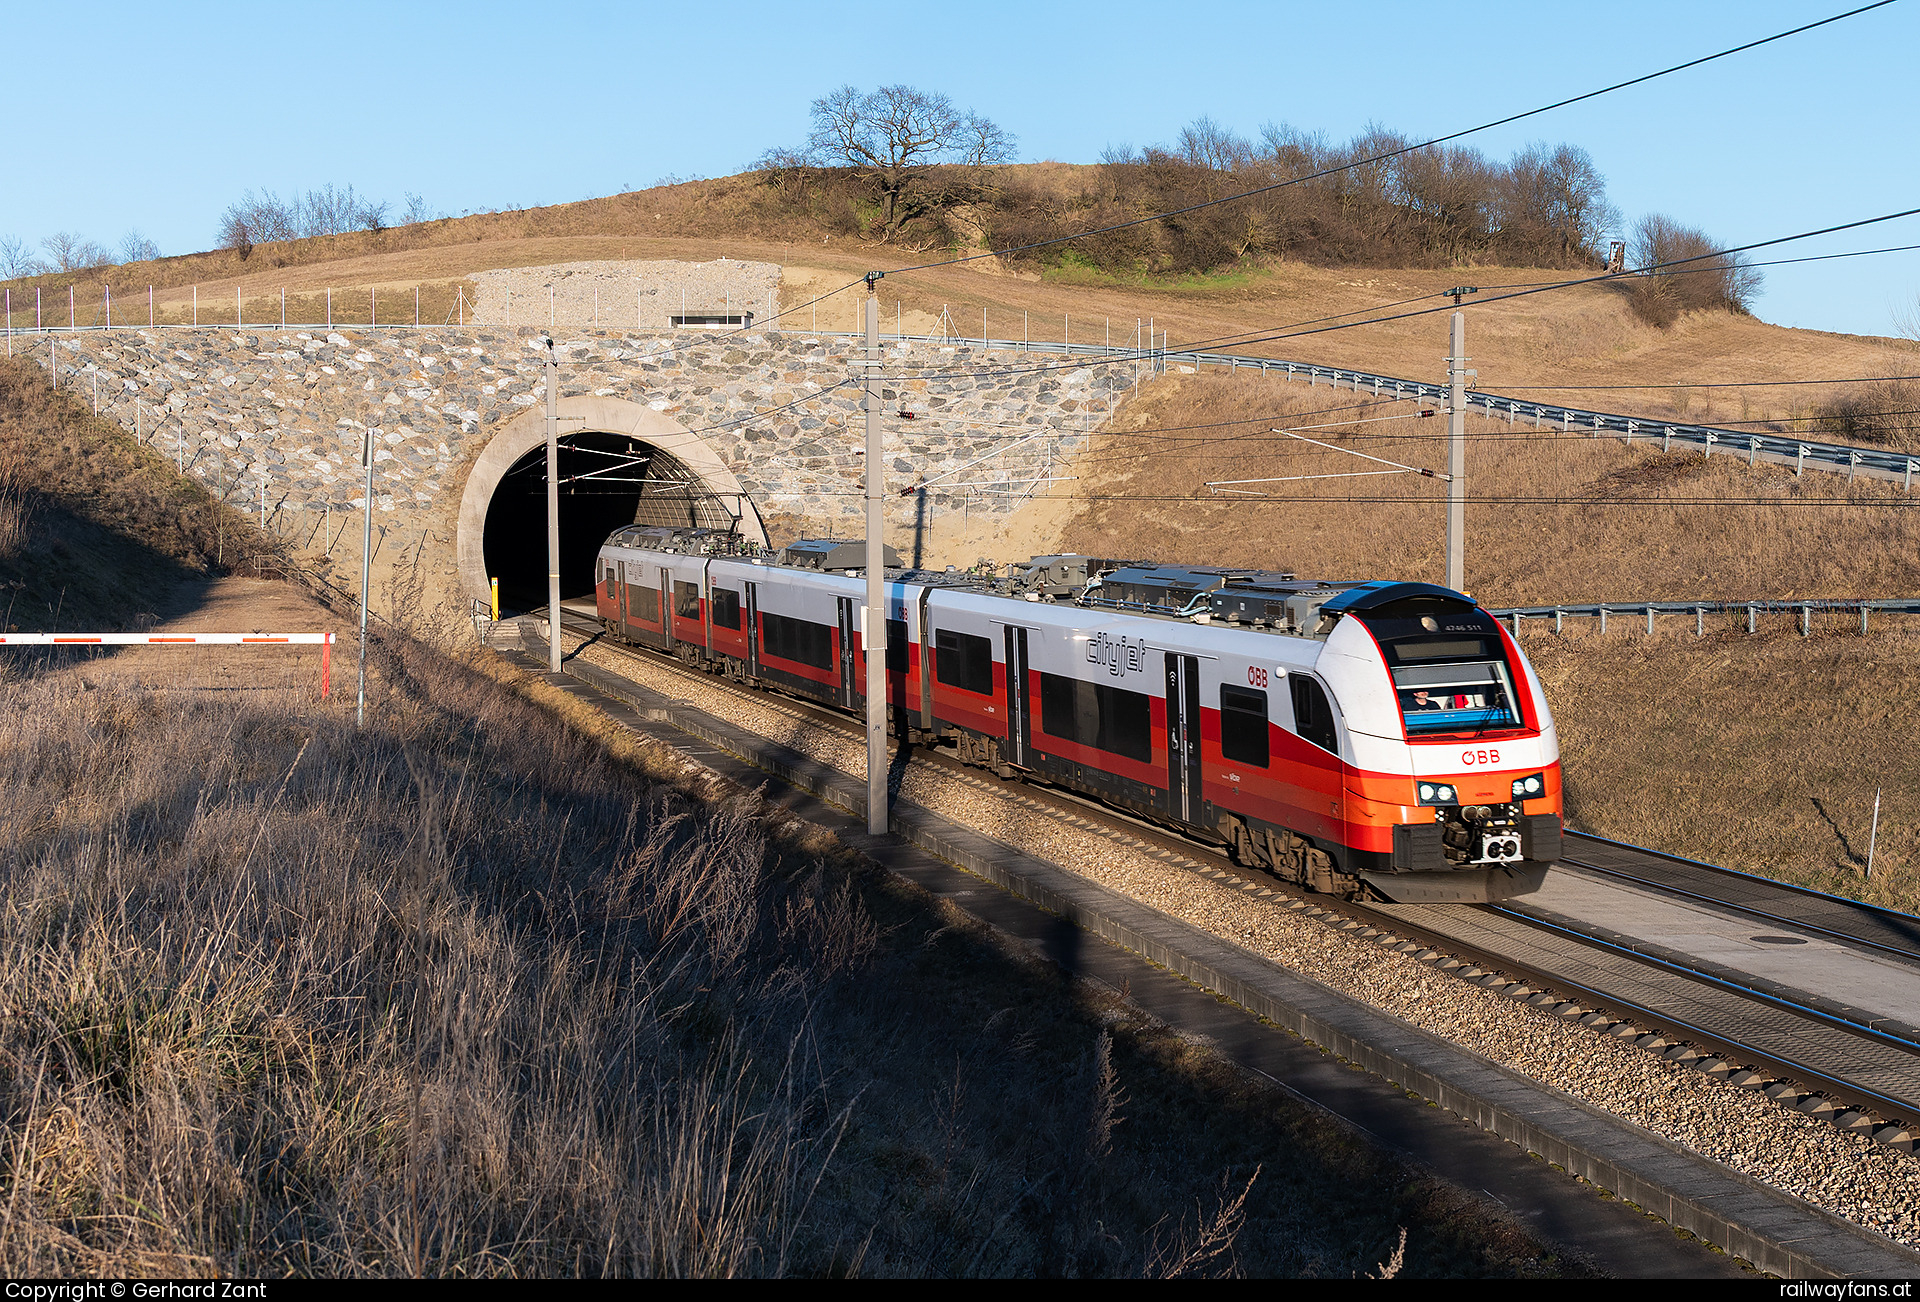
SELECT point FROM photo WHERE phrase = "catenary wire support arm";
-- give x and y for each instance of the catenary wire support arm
(1397, 467)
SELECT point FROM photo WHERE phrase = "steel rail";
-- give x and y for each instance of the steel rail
(1400, 920)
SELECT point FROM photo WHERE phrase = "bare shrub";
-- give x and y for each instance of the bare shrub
(1334, 203)
(1390, 1268)
(418, 210)
(135, 247)
(69, 252)
(1681, 270)
(236, 233)
(16, 258)
(1204, 1247)
(1555, 198)
(1886, 413)
(266, 218)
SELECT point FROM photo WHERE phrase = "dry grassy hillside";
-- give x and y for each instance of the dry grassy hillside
(1573, 337)
(1760, 753)
(96, 531)
(1589, 520)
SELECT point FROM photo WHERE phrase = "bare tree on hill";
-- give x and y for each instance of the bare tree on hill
(893, 138)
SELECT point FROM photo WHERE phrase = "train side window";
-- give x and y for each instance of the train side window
(1111, 719)
(1243, 726)
(1312, 716)
(799, 640)
(897, 646)
(725, 605)
(686, 600)
(963, 660)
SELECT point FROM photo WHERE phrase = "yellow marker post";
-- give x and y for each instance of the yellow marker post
(494, 585)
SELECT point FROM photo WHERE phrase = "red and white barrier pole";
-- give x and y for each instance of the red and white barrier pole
(322, 640)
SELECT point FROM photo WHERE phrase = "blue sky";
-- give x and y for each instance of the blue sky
(155, 117)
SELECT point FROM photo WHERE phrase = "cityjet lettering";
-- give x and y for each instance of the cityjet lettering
(1125, 656)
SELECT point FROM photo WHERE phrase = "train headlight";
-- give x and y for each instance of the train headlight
(1438, 793)
(1531, 787)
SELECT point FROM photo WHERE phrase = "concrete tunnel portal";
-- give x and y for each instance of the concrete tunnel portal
(618, 464)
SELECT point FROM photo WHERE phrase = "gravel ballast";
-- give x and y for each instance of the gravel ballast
(1846, 1174)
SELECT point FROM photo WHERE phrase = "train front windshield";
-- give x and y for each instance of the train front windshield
(1449, 667)
(1464, 696)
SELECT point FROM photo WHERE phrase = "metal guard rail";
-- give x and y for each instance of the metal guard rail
(1782, 449)
(1700, 609)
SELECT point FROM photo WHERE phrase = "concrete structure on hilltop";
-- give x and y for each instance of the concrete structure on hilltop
(685, 428)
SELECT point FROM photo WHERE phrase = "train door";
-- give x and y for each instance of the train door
(926, 662)
(706, 606)
(666, 605)
(1019, 730)
(849, 697)
(753, 629)
(620, 573)
(1183, 737)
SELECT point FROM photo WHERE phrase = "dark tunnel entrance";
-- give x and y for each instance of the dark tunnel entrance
(607, 481)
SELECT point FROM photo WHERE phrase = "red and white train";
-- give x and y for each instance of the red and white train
(1358, 738)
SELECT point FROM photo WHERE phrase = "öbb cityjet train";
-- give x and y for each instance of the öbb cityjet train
(1374, 738)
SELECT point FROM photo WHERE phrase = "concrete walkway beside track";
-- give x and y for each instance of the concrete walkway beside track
(1310, 1039)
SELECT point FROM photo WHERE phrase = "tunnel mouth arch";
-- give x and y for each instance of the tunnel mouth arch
(619, 464)
(607, 482)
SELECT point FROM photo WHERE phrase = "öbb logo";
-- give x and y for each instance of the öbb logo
(1125, 656)
(1470, 758)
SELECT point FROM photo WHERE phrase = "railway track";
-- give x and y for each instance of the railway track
(1806, 1052)
(1883, 930)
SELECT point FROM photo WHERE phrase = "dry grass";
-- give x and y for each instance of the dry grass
(16, 515)
(1760, 753)
(465, 995)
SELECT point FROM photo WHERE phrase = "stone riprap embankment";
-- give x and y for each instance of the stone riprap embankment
(284, 411)
(278, 416)
(631, 295)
